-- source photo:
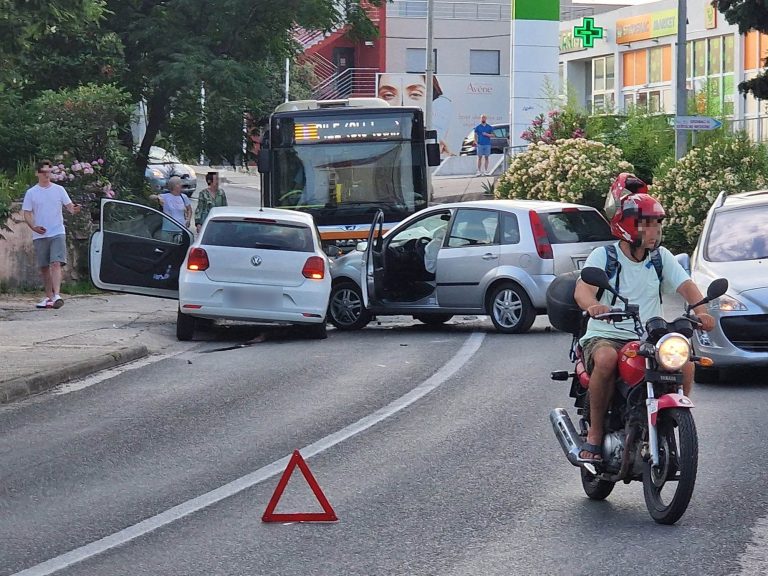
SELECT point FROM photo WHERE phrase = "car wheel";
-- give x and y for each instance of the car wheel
(433, 319)
(317, 331)
(706, 375)
(510, 308)
(185, 326)
(345, 308)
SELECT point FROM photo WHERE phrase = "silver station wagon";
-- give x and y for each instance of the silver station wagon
(487, 257)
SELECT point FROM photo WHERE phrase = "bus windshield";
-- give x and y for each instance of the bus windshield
(339, 183)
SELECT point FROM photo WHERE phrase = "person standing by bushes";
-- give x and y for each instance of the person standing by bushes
(42, 213)
(177, 206)
(209, 197)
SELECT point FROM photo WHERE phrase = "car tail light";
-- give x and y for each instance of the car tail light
(543, 247)
(198, 260)
(314, 268)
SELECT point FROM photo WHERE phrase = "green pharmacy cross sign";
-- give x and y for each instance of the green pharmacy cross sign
(588, 32)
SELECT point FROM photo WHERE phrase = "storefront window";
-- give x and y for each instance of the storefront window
(728, 54)
(609, 73)
(655, 57)
(715, 56)
(699, 58)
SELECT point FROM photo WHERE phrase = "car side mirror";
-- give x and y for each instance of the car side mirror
(685, 262)
(263, 161)
(332, 250)
(596, 277)
(361, 246)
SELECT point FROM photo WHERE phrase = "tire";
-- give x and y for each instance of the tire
(706, 375)
(510, 308)
(433, 319)
(185, 326)
(594, 487)
(678, 453)
(345, 307)
(317, 331)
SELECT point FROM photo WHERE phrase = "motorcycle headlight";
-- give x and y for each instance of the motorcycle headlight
(727, 304)
(672, 352)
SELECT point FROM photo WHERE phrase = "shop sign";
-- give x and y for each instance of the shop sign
(569, 42)
(645, 26)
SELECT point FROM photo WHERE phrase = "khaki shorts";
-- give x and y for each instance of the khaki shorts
(50, 250)
(589, 347)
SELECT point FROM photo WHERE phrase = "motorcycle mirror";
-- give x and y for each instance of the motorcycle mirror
(596, 277)
(717, 288)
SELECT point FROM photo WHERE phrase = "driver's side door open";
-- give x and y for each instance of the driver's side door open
(137, 250)
(372, 262)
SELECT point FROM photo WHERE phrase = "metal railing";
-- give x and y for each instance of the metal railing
(348, 82)
(322, 68)
(450, 10)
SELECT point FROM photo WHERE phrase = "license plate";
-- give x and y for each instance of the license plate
(253, 297)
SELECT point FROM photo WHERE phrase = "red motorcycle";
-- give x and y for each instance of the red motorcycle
(650, 435)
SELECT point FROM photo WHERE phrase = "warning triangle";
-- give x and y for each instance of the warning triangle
(327, 516)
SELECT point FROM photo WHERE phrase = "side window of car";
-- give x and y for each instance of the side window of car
(510, 228)
(424, 228)
(135, 220)
(474, 228)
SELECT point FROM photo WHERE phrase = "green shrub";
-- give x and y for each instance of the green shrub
(575, 170)
(688, 188)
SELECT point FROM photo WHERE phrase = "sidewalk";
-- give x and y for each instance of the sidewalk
(44, 348)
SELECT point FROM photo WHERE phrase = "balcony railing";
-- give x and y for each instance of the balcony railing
(349, 82)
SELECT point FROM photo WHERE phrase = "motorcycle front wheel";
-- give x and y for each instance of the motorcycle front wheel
(668, 488)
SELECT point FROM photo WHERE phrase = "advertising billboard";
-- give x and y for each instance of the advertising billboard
(457, 102)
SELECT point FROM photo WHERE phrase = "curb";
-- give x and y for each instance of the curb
(25, 386)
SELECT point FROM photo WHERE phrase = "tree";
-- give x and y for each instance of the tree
(749, 15)
(171, 46)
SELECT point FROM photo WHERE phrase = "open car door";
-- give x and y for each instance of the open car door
(372, 261)
(138, 250)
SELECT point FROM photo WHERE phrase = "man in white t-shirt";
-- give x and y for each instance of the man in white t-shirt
(636, 220)
(42, 212)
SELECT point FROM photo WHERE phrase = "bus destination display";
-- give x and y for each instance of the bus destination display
(348, 130)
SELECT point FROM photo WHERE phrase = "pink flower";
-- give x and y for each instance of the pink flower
(76, 166)
(100, 161)
(109, 193)
(95, 163)
(60, 166)
(71, 176)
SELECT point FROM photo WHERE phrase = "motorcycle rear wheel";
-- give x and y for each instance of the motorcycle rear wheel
(594, 487)
(678, 464)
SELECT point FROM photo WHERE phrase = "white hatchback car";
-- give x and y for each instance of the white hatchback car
(249, 264)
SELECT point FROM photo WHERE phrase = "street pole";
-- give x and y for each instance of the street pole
(681, 96)
(202, 123)
(287, 78)
(430, 65)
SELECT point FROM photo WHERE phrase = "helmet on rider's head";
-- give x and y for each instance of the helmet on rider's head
(628, 203)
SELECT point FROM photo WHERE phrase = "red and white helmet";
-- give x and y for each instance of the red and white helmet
(627, 203)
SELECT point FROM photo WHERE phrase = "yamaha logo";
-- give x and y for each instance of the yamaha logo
(255, 260)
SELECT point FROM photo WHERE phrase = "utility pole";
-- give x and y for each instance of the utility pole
(287, 77)
(430, 65)
(202, 123)
(681, 90)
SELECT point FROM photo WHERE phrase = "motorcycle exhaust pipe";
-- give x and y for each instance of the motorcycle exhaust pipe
(566, 434)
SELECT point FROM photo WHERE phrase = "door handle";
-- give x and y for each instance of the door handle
(489, 256)
(158, 251)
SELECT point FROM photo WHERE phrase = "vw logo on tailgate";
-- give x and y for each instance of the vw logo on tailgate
(255, 260)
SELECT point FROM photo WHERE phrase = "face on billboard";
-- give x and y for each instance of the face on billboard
(391, 88)
(414, 90)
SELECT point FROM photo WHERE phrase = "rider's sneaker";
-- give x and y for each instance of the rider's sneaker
(45, 303)
(57, 301)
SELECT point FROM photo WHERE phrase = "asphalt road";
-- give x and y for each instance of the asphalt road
(465, 479)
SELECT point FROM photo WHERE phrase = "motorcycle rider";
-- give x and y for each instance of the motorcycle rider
(636, 220)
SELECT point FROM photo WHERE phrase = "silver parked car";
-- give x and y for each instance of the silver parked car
(494, 257)
(734, 245)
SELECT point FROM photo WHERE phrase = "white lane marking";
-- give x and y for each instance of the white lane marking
(465, 353)
(111, 373)
(754, 560)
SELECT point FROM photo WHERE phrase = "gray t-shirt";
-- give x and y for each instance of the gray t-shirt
(173, 206)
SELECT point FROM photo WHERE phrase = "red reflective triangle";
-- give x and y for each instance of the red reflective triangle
(327, 516)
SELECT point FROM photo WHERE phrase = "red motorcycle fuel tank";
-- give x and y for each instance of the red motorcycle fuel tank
(631, 364)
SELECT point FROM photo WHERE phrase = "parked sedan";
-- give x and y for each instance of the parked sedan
(248, 264)
(163, 165)
(734, 245)
(499, 141)
(494, 257)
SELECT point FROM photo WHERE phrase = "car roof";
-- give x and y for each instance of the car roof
(536, 205)
(743, 200)
(256, 212)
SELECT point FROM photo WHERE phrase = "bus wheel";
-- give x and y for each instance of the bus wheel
(345, 309)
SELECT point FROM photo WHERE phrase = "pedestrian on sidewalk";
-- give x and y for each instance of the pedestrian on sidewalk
(42, 208)
(483, 132)
(177, 206)
(209, 197)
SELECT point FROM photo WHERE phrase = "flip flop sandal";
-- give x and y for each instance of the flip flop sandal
(594, 449)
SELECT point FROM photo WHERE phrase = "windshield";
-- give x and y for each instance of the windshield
(738, 235)
(347, 183)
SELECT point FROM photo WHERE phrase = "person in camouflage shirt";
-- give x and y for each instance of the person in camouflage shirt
(209, 197)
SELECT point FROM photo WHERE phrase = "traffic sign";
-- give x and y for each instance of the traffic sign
(696, 123)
